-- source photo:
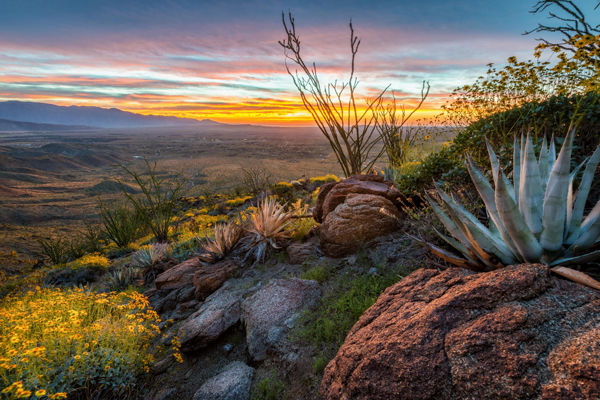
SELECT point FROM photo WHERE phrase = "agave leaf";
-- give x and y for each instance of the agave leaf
(479, 231)
(448, 222)
(451, 258)
(493, 161)
(487, 194)
(590, 219)
(493, 227)
(543, 165)
(588, 238)
(530, 191)
(522, 148)
(578, 260)
(576, 276)
(516, 169)
(551, 155)
(454, 243)
(553, 221)
(572, 177)
(582, 194)
(528, 246)
(483, 254)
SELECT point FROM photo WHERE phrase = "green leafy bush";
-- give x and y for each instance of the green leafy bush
(550, 117)
(57, 249)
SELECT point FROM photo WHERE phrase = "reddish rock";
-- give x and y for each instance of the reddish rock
(300, 252)
(165, 265)
(318, 208)
(333, 194)
(211, 277)
(179, 276)
(361, 218)
(515, 333)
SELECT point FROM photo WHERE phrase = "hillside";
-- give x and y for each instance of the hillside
(7, 125)
(42, 113)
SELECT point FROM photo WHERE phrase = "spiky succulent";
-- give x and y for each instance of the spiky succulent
(537, 220)
(147, 258)
(267, 226)
(227, 236)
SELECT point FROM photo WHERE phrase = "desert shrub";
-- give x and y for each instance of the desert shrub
(269, 388)
(74, 343)
(121, 222)
(237, 201)
(93, 235)
(256, 179)
(550, 117)
(301, 227)
(56, 248)
(319, 273)
(285, 191)
(186, 249)
(95, 260)
(320, 180)
(157, 203)
(352, 134)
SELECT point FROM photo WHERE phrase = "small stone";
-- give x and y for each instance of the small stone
(373, 271)
(352, 259)
(228, 347)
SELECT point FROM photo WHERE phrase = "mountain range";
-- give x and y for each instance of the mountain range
(85, 117)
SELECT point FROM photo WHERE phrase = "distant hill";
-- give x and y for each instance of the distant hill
(7, 125)
(42, 113)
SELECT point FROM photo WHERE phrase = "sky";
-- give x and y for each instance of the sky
(221, 59)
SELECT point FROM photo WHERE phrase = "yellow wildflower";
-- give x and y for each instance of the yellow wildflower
(40, 393)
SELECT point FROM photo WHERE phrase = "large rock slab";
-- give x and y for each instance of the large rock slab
(334, 194)
(220, 311)
(517, 333)
(179, 276)
(211, 277)
(233, 383)
(266, 312)
(361, 218)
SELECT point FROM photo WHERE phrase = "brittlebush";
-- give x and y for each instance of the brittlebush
(56, 343)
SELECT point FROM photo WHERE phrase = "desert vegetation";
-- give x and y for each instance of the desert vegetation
(252, 273)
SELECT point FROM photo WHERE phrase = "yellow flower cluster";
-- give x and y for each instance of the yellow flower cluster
(90, 260)
(52, 338)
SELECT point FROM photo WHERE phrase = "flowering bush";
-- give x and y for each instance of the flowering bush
(89, 261)
(55, 343)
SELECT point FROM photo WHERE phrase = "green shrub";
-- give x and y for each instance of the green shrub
(122, 223)
(286, 192)
(156, 205)
(269, 388)
(319, 273)
(550, 117)
(320, 180)
(57, 249)
(90, 261)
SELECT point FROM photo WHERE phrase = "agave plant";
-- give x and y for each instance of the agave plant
(227, 237)
(147, 257)
(121, 277)
(538, 220)
(266, 227)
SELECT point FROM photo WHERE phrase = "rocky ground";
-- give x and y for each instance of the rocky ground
(243, 338)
